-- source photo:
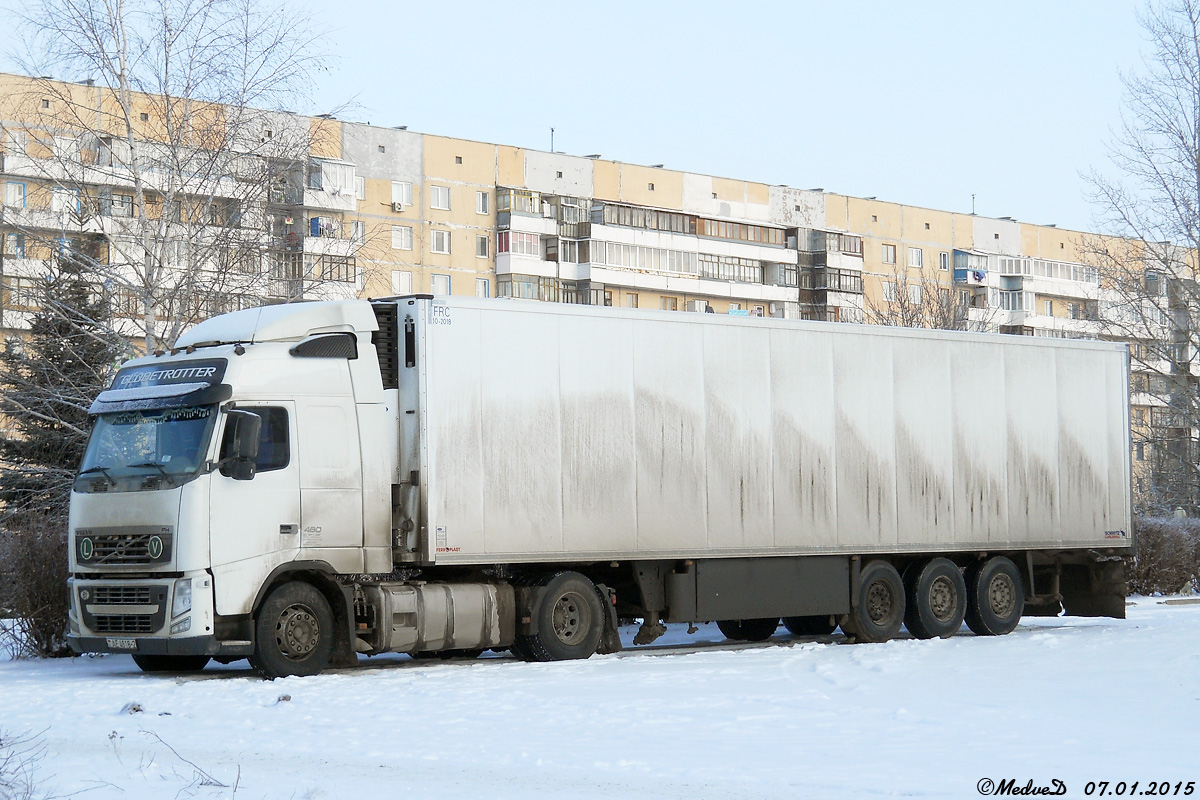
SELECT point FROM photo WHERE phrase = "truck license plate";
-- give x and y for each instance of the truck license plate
(122, 644)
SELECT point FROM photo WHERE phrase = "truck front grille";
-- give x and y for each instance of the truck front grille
(123, 623)
(146, 544)
(121, 595)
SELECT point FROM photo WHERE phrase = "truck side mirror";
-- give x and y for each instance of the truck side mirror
(247, 427)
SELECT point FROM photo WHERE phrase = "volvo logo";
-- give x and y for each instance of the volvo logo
(154, 547)
(86, 549)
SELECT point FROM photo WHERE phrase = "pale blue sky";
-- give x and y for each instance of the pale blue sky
(922, 103)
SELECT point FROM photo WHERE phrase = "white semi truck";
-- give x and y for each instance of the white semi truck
(299, 484)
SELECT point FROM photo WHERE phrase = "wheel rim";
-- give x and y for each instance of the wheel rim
(570, 618)
(880, 602)
(297, 632)
(1002, 595)
(943, 598)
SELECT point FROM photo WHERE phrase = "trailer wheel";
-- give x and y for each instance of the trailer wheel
(820, 625)
(995, 597)
(878, 610)
(148, 663)
(570, 620)
(936, 599)
(293, 632)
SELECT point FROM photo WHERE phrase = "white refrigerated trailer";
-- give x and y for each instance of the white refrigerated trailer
(296, 484)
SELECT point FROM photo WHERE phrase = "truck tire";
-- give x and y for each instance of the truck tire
(878, 609)
(148, 663)
(995, 597)
(293, 632)
(570, 620)
(748, 630)
(820, 625)
(936, 599)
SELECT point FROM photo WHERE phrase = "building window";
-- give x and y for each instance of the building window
(889, 292)
(401, 282)
(519, 243)
(439, 284)
(401, 193)
(402, 237)
(916, 257)
(914, 294)
(14, 245)
(14, 194)
(481, 202)
(944, 261)
(631, 300)
(1049, 308)
(730, 268)
(483, 287)
(63, 199)
(669, 304)
(650, 186)
(1140, 451)
(341, 269)
(382, 148)
(458, 159)
(358, 231)
(19, 292)
(439, 197)
(889, 254)
(439, 242)
(481, 247)
(121, 205)
(360, 187)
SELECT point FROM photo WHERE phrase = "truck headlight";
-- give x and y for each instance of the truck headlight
(182, 602)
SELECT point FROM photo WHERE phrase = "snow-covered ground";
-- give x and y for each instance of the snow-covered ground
(1074, 699)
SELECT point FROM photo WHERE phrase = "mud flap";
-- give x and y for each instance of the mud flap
(610, 640)
(1094, 590)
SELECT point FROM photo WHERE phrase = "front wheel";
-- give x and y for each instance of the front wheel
(147, 663)
(293, 632)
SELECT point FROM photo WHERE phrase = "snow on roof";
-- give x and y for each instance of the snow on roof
(282, 323)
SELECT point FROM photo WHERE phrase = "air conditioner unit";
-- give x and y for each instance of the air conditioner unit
(773, 309)
(397, 207)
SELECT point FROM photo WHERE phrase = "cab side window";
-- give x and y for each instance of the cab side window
(274, 449)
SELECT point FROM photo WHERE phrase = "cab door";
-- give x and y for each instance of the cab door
(255, 524)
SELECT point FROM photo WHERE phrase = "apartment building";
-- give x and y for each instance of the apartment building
(375, 211)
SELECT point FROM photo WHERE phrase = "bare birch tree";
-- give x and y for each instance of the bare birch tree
(1149, 204)
(170, 167)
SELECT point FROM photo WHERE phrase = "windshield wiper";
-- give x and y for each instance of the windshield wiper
(110, 478)
(158, 467)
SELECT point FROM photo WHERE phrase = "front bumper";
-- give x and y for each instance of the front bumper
(114, 614)
(161, 646)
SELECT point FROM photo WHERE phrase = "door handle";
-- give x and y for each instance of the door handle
(286, 529)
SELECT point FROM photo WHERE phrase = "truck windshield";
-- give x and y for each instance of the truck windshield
(129, 447)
